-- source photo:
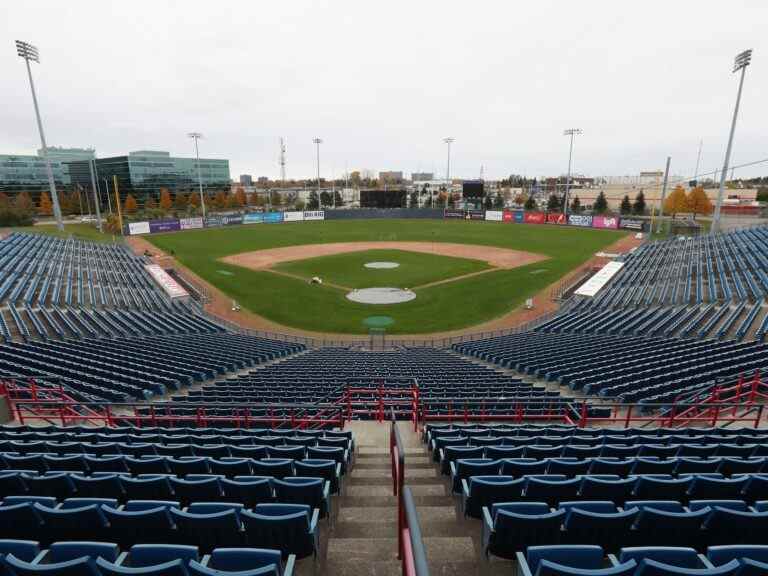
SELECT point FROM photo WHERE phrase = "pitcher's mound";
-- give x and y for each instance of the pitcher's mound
(381, 265)
(381, 296)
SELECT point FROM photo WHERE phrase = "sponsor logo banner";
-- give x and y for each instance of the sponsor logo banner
(535, 218)
(314, 215)
(507, 216)
(494, 215)
(169, 225)
(253, 218)
(453, 213)
(138, 228)
(580, 220)
(213, 221)
(232, 219)
(475, 215)
(518, 217)
(293, 216)
(555, 218)
(190, 223)
(632, 224)
(605, 222)
(273, 217)
(164, 280)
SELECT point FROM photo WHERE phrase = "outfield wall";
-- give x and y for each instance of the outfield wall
(503, 216)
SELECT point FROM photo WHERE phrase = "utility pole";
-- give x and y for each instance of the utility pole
(196, 136)
(29, 52)
(117, 199)
(448, 141)
(317, 142)
(663, 194)
(96, 199)
(740, 63)
(569, 132)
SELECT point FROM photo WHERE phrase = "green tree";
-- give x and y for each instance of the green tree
(314, 201)
(337, 199)
(576, 205)
(488, 202)
(601, 204)
(325, 198)
(414, 202)
(639, 205)
(762, 194)
(626, 205)
(498, 202)
(530, 203)
(299, 205)
(553, 203)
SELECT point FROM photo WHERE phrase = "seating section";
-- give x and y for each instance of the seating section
(98, 558)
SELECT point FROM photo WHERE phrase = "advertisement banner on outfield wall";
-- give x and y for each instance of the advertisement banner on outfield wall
(475, 215)
(507, 216)
(605, 222)
(169, 225)
(213, 222)
(253, 218)
(632, 224)
(232, 219)
(494, 215)
(314, 215)
(535, 218)
(453, 213)
(293, 216)
(138, 228)
(190, 223)
(555, 218)
(518, 217)
(580, 220)
(273, 217)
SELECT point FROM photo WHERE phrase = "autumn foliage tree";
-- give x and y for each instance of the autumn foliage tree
(220, 201)
(676, 202)
(149, 203)
(46, 206)
(240, 197)
(130, 204)
(181, 201)
(698, 202)
(165, 199)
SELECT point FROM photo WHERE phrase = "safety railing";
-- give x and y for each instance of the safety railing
(410, 545)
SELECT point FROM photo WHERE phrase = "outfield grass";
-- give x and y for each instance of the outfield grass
(415, 268)
(79, 230)
(448, 306)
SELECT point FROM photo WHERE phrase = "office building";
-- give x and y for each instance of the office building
(422, 176)
(246, 179)
(27, 173)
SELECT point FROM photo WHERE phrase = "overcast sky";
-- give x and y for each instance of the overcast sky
(384, 82)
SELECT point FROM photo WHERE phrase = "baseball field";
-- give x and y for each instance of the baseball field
(463, 273)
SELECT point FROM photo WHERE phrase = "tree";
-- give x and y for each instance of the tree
(698, 202)
(112, 224)
(676, 202)
(24, 208)
(277, 199)
(149, 203)
(46, 206)
(639, 206)
(762, 194)
(427, 201)
(498, 202)
(601, 204)
(530, 203)
(576, 205)
(520, 199)
(626, 205)
(165, 199)
(553, 203)
(181, 201)
(241, 198)
(299, 205)
(488, 202)
(314, 201)
(414, 202)
(220, 200)
(130, 204)
(337, 199)
(194, 200)
(325, 198)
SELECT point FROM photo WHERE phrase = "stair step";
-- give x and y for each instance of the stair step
(364, 490)
(367, 514)
(451, 555)
(368, 568)
(361, 550)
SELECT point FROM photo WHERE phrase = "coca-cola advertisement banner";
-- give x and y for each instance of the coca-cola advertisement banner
(580, 220)
(507, 216)
(605, 222)
(555, 218)
(535, 218)
(518, 217)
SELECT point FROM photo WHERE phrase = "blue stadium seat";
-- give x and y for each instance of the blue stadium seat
(290, 528)
(512, 527)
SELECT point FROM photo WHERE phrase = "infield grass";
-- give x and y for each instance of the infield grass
(448, 306)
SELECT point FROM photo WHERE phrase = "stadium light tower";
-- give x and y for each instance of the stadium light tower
(317, 142)
(448, 141)
(740, 63)
(29, 52)
(569, 132)
(196, 136)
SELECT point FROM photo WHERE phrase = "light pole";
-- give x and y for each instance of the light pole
(448, 141)
(569, 132)
(29, 52)
(96, 199)
(317, 142)
(196, 136)
(740, 63)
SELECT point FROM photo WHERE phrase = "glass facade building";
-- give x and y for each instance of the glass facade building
(27, 173)
(145, 172)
